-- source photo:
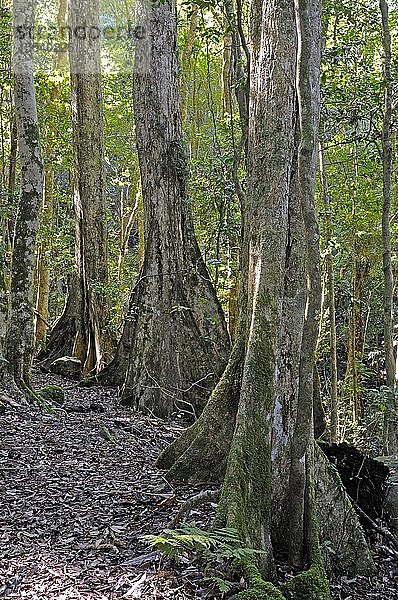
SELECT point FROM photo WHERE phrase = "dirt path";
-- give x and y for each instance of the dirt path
(73, 504)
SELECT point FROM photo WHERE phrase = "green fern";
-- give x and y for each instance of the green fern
(217, 550)
(218, 544)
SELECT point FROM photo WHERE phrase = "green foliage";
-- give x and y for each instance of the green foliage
(215, 544)
(108, 435)
(219, 550)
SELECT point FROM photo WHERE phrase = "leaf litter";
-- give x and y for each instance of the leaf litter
(78, 491)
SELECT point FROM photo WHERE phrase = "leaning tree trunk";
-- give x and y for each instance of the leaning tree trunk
(83, 329)
(175, 343)
(20, 331)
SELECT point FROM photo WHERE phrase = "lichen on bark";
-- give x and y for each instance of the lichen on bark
(19, 343)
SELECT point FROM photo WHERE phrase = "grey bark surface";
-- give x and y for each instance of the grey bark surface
(308, 21)
(20, 331)
(247, 489)
(334, 416)
(344, 547)
(390, 421)
(175, 343)
(83, 329)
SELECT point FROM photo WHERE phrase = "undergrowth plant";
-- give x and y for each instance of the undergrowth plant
(219, 551)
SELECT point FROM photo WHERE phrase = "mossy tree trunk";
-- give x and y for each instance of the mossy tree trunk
(19, 345)
(247, 489)
(175, 343)
(267, 452)
(83, 329)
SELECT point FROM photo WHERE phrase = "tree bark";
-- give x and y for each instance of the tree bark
(20, 331)
(175, 343)
(390, 423)
(247, 489)
(87, 326)
(334, 416)
(308, 21)
(43, 269)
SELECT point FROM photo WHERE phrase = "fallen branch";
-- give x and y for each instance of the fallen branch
(386, 533)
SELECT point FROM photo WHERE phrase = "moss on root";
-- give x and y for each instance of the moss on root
(309, 585)
(258, 588)
(264, 591)
(52, 394)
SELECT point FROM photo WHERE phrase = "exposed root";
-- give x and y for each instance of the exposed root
(188, 505)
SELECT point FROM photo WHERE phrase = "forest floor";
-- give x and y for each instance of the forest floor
(74, 505)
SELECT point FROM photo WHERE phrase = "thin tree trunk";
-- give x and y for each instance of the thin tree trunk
(186, 58)
(128, 217)
(334, 417)
(226, 70)
(353, 380)
(390, 422)
(301, 517)
(43, 269)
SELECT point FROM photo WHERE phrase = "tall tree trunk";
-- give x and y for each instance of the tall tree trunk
(268, 383)
(20, 332)
(43, 269)
(301, 517)
(186, 59)
(83, 329)
(247, 488)
(175, 343)
(390, 422)
(334, 416)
